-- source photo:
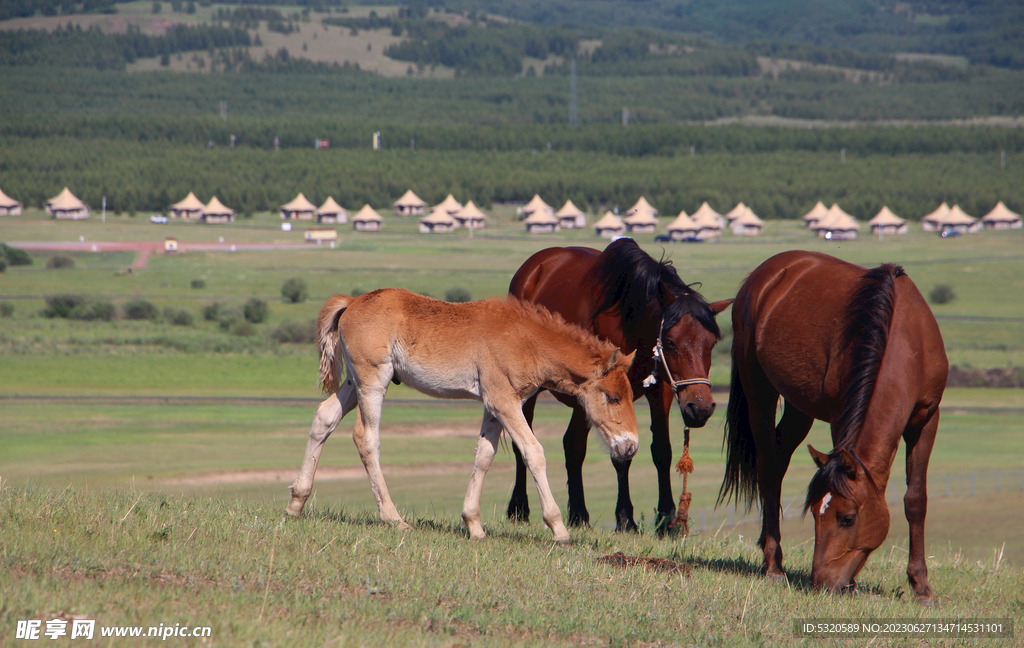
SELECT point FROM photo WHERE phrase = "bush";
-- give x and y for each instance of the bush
(140, 309)
(255, 310)
(295, 332)
(942, 294)
(228, 316)
(198, 283)
(212, 311)
(178, 316)
(60, 261)
(6, 309)
(295, 290)
(458, 295)
(243, 329)
(79, 307)
(14, 256)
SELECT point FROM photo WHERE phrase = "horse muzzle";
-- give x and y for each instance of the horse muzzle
(623, 448)
(695, 414)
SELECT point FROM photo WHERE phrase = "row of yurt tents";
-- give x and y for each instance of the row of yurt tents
(302, 209)
(450, 214)
(212, 212)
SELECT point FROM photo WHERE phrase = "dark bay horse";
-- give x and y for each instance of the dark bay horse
(861, 350)
(625, 296)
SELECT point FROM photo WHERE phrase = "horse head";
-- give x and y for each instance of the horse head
(608, 400)
(851, 518)
(687, 344)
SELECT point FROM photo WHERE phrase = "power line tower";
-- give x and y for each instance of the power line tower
(573, 106)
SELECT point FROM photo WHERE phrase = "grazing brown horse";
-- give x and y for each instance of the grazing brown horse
(625, 296)
(497, 352)
(861, 350)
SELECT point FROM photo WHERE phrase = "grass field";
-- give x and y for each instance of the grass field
(202, 431)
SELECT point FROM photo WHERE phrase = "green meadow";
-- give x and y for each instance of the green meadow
(144, 466)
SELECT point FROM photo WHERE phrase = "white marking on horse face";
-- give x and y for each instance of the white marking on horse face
(824, 503)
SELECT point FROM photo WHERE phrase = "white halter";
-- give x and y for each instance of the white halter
(659, 354)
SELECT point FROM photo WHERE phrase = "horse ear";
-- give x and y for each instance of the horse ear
(719, 306)
(848, 463)
(628, 360)
(820, 458)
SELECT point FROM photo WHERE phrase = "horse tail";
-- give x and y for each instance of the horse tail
(328, 337)
(866, 334)
(740, 481)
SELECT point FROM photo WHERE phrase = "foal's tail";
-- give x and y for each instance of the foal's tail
(740, 481)
(327, 341)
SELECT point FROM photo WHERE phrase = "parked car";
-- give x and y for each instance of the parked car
(157, 218)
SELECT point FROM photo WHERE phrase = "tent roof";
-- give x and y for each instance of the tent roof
(748, 217)
(66, 202)
(886, 217)
(449, 205)
(470, 211)
(999, 214)
(957, 216)
(642, 205)
(938, 215)
(609, 221)
(410, 199)
(189, 203)
(300, 203)
(569, 210)
(541, 216)
(735, 212)
(331, 207)
(817, 212)
(64, 193)
(367, 213)
(7, 201)
(683, 223)
(536, 204)
(438, 217)
(707, 217)
(837, 219)
(642, 217)
(217, 207)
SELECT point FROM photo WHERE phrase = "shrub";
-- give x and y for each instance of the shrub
(295, 332)
(6, 309)
(178, 316)
(140, 309)
(242, 328)
(458, 295)
(212, 311)
(14, 256)
(79, 307)
(255, 310)
(942, 294)
(294, 290)
(228, 316)
(60, 261)
(198, 283)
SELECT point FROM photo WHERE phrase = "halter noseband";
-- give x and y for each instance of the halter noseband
(659, 354)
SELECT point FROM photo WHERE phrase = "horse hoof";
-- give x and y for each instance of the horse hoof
(403, 525)
(777, 577)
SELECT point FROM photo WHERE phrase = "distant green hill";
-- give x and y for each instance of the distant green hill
(984, 31)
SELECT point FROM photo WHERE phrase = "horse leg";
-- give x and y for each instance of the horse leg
(623, 504)
(519, 504)
(771, 468)
(762, 400)
(915, 503)
(661, 453)
(575, 445)
(515, 424)
(486, 447)
(328, 414)
(366, 436)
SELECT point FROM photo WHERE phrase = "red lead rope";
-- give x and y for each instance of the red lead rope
(685, 466)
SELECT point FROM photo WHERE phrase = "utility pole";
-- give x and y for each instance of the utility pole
(573, 106)
(224, 110)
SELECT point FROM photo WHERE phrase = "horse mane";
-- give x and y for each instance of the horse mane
(629, 279)
(866, 336)
(548, 319)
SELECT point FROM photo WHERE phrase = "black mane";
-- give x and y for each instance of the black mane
(866, 336)
(630, 280)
